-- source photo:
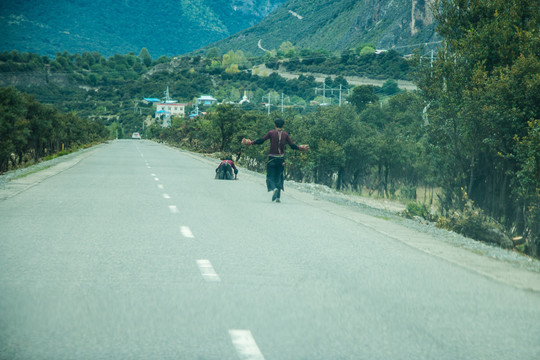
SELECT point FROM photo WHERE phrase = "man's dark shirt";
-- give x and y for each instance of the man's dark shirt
(277, 147)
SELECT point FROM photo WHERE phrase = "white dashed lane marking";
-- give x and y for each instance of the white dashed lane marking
(245, 345)
(207, 271)
(186, 232)
(160, 186)
(157, 179)
(166, 196)
(173, 209)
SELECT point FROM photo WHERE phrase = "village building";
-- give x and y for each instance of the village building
(206, 100)
(165, 111)
(174, 109)
(151, 100)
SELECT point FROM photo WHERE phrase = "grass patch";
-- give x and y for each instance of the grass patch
(33, 171)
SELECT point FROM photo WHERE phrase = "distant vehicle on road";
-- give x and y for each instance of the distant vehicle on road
(136, 135)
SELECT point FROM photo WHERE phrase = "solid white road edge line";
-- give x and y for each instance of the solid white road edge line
(245, 345)
(207, 271)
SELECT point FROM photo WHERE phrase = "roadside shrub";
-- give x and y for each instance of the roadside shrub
(473, 223)
(415, 209)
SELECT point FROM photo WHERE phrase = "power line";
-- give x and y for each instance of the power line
(324, 89)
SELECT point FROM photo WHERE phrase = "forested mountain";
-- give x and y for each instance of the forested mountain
(119, 27)
(340, 25)
(178, 27)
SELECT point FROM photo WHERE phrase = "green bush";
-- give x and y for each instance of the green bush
(473, 223)
(415, 209)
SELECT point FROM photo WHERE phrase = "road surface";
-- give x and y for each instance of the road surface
(134, 251)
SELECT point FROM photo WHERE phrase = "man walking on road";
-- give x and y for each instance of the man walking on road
(276, 156)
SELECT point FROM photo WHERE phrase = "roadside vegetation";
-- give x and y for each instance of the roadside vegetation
(463, 151)
(482, 98)
(31, 131)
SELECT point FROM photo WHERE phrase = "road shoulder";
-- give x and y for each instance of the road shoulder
(17, 181)
(516, 270)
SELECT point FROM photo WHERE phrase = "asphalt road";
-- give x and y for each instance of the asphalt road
(136, 252)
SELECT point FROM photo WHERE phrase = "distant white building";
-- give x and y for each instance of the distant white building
(165, 111)
(244, 98)
(174, 109)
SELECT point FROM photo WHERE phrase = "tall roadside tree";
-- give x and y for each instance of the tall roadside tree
(14, 127)
(483, 104)
(226, 120)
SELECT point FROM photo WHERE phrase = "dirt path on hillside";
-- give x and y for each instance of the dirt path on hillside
(353, 80)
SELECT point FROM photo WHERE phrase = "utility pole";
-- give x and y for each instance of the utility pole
(269, 102)
(340, 90)
(167, 96)
(431, 63)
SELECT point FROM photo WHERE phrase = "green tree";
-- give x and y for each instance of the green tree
(481, 92)
(40, 118)
(232, 69)
(363, 95)
(226, 120)
(367, 50)
(389, 87)
(14, 127)
(213, 53)
(287, 49)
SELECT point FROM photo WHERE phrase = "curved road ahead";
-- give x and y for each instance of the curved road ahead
(136, 252)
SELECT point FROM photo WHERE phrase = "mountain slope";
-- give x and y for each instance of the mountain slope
(119, 27)
(339, 25)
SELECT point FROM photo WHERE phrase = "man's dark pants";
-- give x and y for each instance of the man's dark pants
(274, 173)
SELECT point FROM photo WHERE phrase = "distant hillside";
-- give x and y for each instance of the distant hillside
(339, 25)
(118, 27)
